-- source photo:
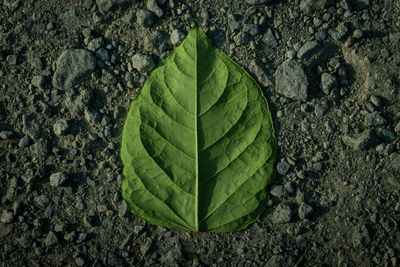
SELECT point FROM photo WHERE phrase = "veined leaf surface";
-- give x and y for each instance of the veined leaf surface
(198, 144)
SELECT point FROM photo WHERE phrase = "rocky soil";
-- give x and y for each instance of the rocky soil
(329, 69)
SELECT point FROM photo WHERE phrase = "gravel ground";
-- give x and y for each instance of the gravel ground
(329, 69)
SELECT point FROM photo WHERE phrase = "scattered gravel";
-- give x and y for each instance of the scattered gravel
(328, 68)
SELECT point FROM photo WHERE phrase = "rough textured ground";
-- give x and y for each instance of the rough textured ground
(336, 111)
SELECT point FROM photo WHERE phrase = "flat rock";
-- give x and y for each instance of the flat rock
(270, 39)
(305, 210)
(394, 37)
(40, 148)
(31, 127)
(360, 141)
(51, 239)
(153, 7)
(42, 200)
(7, 216)
(395, 161)
(315, 5)
(328, 82)
(374, 119)
(283, 167)
(60, 127)
(282, 214)
(307, 50)
(259, 70)
(73, 67)
(291, 80)
(58, 178)
(143, 63)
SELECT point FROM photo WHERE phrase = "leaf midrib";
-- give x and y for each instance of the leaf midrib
(196, 139)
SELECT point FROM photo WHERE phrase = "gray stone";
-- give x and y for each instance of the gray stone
(143, 63)
(171, 258)
(146, 246)
(395, 181)
(138, 229)
(301, 242)
(316, 5)
(42, 200)
(291, 54)
(387, 136)
(252, 29)
(31, 127)
(361, 4)
(269, 38)
(328, 82)
(108, 77)
(92, 116)
(283, 167)
(308, 50)
(153, 7)
(24, 141)
(103, 54)
(397, 128)
(242, 38)
(374, 119)
(36, 63)
(105, 5)
(385, 149)
(81, 238)
(73, 67)
(176, 37)
(38, 81)
(394, 37)
(277, 191)
(259, 70)
(60, 227)
(282, 214)
(60, 127)
(360, 141)
(156, 42)
(144, 18)
(122, 209)
(320, 109)
(40, 148)
(375, 100)
(51, 239)
(289, 186)
(305, 210)
(359, 33)
(12, 59)
(279, 261)
(95, 44)
(114, 260)
(291, 80)
(7, 216)
(257, 2)
(361, 237)
(58, 178)
(395, 161)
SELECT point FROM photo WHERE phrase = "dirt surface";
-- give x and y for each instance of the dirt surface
(69, 70)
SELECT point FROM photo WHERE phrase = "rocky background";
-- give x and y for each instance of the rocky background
(329, 69)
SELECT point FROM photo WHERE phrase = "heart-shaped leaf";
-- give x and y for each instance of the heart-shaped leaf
(198, 143)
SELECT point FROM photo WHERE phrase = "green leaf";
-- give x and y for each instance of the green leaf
(198, 144)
